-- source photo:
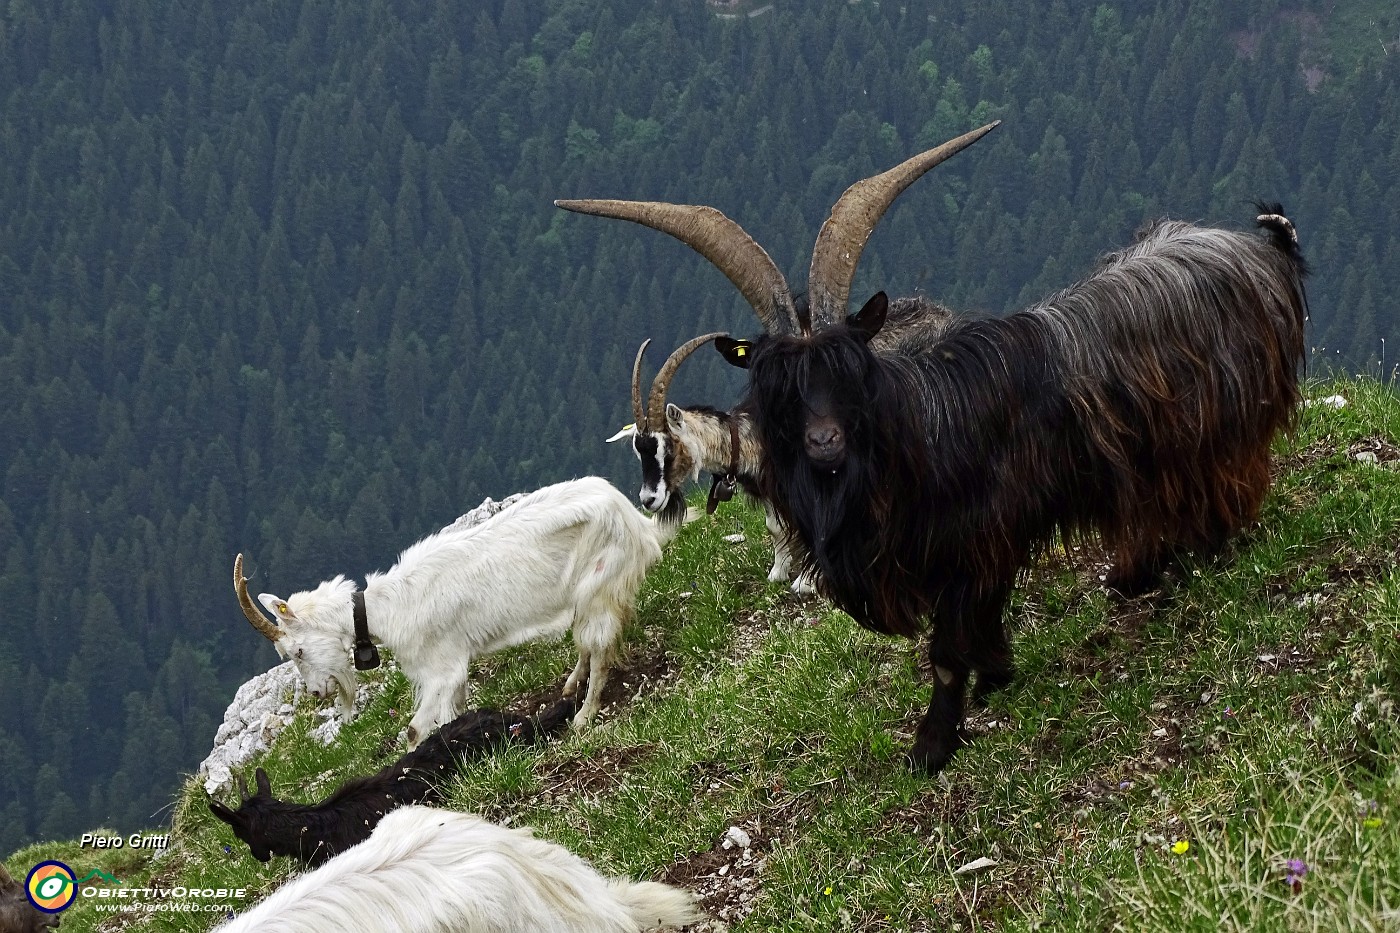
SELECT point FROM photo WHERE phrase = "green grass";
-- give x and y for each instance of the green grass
(1246, 709)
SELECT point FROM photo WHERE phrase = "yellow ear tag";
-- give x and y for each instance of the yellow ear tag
(282, 608)
(741, 351)
(630, 427)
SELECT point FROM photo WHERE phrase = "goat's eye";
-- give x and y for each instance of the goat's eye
(301, 653)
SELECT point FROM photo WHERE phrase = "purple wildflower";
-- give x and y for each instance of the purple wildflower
(1297, 869)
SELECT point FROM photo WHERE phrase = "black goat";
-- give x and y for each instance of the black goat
(673, 443)
(921, 476)
(314, 833)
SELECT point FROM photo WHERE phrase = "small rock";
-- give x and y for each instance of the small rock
(734, 539)
(738, 837)
(976, 864)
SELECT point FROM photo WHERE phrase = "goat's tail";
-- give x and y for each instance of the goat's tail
(1282, 234)
(1283, 237)
(654, 905)
(553, 721)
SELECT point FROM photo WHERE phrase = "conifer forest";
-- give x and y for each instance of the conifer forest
(285, 277)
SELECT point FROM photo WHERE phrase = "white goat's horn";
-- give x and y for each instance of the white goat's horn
(250, 609)
(853, 219)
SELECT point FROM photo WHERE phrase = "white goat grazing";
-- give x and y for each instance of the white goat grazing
(425, 870)
(569, 555)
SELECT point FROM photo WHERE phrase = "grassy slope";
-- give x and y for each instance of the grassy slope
(1247, 709)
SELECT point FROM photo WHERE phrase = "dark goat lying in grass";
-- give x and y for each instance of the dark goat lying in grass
(314, 833)
(920, 476)
(17, 915)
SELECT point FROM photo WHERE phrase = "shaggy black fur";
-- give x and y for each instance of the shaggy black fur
(1138, 405)
(314, 833)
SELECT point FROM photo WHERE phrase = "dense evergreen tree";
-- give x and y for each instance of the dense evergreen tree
(285, 278)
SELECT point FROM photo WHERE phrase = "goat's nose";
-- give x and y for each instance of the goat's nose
(824, 436)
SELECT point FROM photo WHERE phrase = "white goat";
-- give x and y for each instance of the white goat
(425, 870)
(569, 555)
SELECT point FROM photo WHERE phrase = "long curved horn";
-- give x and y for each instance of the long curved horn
(656, 402)
(720, 240)
(639, 414)
(853, 219)
(250, 609)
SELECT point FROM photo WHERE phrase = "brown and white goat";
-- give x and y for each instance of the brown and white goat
(673, 444)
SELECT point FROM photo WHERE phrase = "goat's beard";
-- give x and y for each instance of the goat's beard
(846, 516)
(831, 509)
(673, 512)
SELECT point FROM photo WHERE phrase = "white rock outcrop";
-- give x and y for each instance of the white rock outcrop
(260, 710)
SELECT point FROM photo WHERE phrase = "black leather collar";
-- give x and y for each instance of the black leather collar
(366, 654)
(722, 487)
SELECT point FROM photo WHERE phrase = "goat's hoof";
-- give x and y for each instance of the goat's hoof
(1130, 584)
(932, 757)
(989, 682)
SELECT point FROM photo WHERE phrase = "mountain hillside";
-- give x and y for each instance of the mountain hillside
(284, 277)
(1222, 753)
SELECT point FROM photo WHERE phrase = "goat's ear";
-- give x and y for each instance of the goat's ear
(278, 607)
(222, 812)
(264, 785)
(675, 418)
(626, 432)
(736, 352)
(871, 317)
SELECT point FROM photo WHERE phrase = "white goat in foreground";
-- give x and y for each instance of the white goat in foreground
(569, 555)
(425, 870)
